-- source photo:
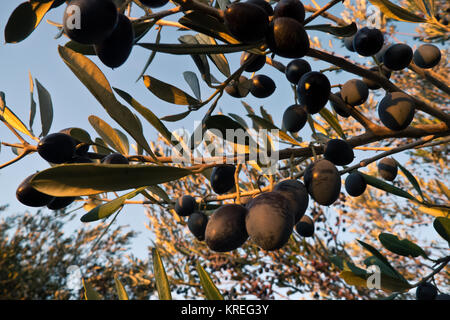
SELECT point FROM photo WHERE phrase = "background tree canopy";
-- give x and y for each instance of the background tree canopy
(360, 129)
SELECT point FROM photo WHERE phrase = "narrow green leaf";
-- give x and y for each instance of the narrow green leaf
(176, 117)
(24, 19)
(148, 115)
(442, 226)
(219, 60)
(168, 93)
(124, 139)
(32, 103)
(96, 82)
(269, 126)
(108, 134)
(200, 60)
(333, 122)
(45, 107)
(105, 210)
(120, 289)
(84, 49)
(443, 188)
(208, 25)
(192, 81)
(160, 193)
(380, 184)
(393, 11)
(151, 57)
(209, 288)
(89, 292)
(382, 259)
(8, 116)
(89, 179)
(162, 283)
(184, 48)
(402, 247)
(340, 31)
(141, 29)
(101, 147)
(239, 119)
(411, 179)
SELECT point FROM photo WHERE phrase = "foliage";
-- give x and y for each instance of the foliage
(333, 264)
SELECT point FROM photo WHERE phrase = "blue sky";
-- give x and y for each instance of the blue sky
(73, 103)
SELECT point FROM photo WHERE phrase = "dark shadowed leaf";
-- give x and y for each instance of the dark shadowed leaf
(239, 119)
(200, 60)
(380, 184)
(32, 103)
(185, 48)
(393, 11)
(219, 59)
(411, 179)
(341, 31)
(24, 19)
(45, 107)
(105, 210)
(442, 226)
(402, 247)
(382, 259)
(89, 179)
(209, 288)
(176, 117)
(162, 282)
(84, 49)
(192, 81)
(96, 82)
(101, 147)
(152, 55)
(208, 25)
(168, 93)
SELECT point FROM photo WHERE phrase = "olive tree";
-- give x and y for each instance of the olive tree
(300, 226)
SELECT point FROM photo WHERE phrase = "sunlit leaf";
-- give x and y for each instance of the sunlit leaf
(393, 11)
(96, 82)
(168, 93)
(105, 210)
(108, 134)
(89, 292)
(32, 103)
(209, 288)
(333, 122)
(120, 289)
(273, 129)
(176, 117)
(162, 283)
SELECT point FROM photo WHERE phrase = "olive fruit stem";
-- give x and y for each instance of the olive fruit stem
(27, 149)
(198, 6)
(431, 76)
(366, 162)
(321, 10)
(444, 261)
(236, 180)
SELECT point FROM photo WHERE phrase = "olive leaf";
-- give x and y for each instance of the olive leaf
(24, 19)
(89, 179)
(168, 92)
(396, 12)
(45, 107)
(442, 226)
(209, 288)
(162, 283)
(402, 247)
(340, 31)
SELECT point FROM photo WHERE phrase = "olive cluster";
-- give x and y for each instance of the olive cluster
(59, 148)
